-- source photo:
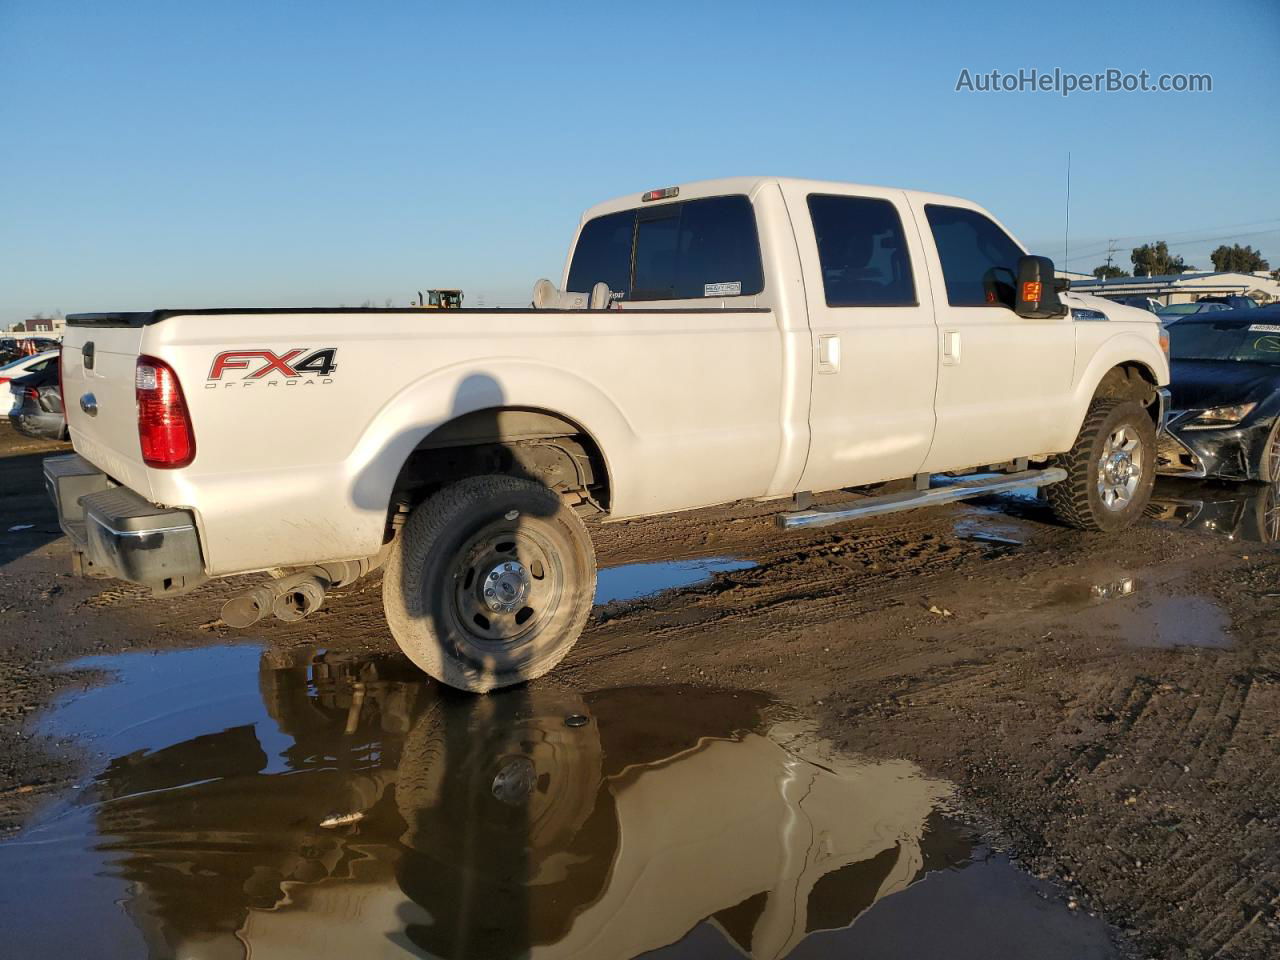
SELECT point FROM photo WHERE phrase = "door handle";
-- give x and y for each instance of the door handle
(828, 353)
(951, 347)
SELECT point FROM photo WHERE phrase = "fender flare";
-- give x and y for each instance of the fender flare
(445, 394)
(1123, 347)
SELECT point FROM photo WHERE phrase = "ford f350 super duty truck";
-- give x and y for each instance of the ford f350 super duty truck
(731, 339)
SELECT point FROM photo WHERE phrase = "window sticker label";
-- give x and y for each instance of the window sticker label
(1264, 328)
(732, 289)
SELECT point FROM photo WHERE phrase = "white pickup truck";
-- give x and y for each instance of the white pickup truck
(732, 339)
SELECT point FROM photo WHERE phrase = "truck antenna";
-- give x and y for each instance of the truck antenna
(1066, 232)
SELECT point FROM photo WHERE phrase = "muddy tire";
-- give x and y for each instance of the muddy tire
(489, 583)
(1110, 469)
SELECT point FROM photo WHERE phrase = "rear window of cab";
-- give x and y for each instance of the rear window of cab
(675, 251)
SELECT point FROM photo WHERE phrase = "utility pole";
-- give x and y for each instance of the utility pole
(1111, 249)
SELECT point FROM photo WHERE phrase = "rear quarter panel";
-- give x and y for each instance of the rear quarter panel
(685, 406)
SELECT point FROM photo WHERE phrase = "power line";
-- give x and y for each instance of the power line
(1227, 236)
(1099, 247)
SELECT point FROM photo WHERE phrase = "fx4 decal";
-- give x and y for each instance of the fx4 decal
(247, 367)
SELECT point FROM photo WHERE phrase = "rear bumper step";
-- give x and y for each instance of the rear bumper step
(116, 533)
(825, 516)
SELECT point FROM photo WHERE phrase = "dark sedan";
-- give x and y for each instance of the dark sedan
(1225, 410)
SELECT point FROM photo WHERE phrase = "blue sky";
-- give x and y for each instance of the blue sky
(272, 153)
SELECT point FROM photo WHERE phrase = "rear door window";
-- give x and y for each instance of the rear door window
(603, 254)
(863, 252)
(969, 245)
(675, 251)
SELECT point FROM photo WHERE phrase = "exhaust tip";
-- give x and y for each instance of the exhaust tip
(241, 612)
(302, 601)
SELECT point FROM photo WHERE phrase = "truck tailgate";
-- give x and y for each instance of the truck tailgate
(98, 363)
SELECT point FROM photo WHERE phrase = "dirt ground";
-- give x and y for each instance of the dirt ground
(1109, 708)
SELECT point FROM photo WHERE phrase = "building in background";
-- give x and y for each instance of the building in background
(1073, 276)
(1185, 287)
(40, 324)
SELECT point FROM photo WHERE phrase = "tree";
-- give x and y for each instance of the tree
(1154, 260)
(1108, 271)
(1238, 259)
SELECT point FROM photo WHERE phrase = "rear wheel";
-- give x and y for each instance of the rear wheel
(489, 583)
(1110, 469)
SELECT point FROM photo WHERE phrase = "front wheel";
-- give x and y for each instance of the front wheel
(1270, 472)
(1110, 469)
(489, 583)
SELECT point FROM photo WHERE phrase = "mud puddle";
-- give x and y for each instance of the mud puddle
(634, 580)
(986, 525)
(1117, 604)
(246, 803)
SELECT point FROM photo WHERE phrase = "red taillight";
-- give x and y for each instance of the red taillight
(164, 425)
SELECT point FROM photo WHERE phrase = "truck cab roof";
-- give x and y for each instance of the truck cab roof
(750, 186)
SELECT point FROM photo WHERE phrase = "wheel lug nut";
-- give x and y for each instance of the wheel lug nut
(489, 592)
(493, 576)
(507, 567)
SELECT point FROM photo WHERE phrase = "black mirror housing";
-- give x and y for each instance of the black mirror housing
(1036, 295)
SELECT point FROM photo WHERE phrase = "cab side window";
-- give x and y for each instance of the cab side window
(674, 251)
(603, 254)
(969, 245)
(862, 251)
(699, 248)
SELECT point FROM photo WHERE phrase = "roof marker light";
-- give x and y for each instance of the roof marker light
(665, 193)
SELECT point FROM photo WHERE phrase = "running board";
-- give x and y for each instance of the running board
(896, 502)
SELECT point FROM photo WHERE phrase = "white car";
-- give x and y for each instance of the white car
(746, 338)
(20, 368)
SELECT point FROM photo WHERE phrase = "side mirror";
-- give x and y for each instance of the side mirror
(1036, 295)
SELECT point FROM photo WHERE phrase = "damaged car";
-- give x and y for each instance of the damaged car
(1224, 419)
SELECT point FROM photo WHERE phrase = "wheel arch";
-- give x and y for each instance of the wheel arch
(530, 442)
(1126, 366)
(470, 404)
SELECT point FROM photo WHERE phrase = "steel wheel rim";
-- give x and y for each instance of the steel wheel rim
(1273, 456)
(1120, 468)
(498, 557)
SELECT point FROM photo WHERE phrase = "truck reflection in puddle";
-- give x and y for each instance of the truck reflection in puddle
(364, 812)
